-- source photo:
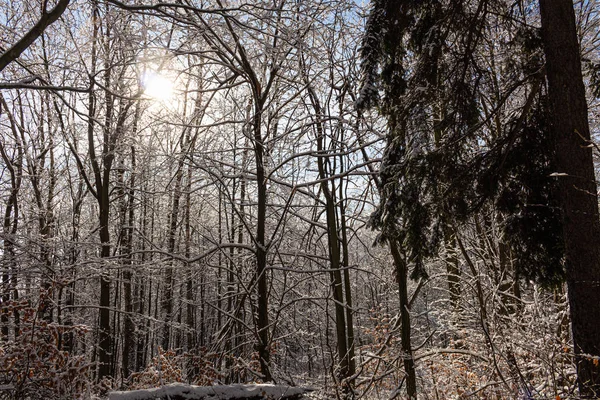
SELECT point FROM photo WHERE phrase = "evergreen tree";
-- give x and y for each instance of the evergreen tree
(445, 161)
(463, 137)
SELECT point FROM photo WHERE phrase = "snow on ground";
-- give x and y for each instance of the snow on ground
(180, 391)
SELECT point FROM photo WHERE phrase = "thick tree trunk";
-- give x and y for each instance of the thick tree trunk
(578, 192)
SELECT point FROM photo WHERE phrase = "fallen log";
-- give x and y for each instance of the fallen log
(180, 391)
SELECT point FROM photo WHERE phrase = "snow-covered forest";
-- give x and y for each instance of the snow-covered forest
(373, 200)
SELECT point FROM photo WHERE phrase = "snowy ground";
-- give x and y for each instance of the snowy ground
(179, 391)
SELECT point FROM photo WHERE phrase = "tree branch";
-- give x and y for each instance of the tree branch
(38, 29)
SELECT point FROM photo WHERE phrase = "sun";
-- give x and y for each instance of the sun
(158, 87)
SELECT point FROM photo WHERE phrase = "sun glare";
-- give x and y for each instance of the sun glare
(158, 87)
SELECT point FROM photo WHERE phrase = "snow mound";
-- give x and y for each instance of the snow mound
(180, 391)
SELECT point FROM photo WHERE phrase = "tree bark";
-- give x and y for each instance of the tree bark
(262, 317)
(401, 270)
(128, 354)
(167, 301)
(578, 192)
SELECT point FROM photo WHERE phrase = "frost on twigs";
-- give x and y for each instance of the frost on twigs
(179, 391)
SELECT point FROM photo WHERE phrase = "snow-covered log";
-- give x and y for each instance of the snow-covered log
(179, 391)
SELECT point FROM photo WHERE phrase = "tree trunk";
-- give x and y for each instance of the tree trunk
(578, 192)
(128, 354)
(104, 342)
(10, 223)
(333, 241)
(262, 311)
(401, 270)
(167, 302)
(401, 274)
